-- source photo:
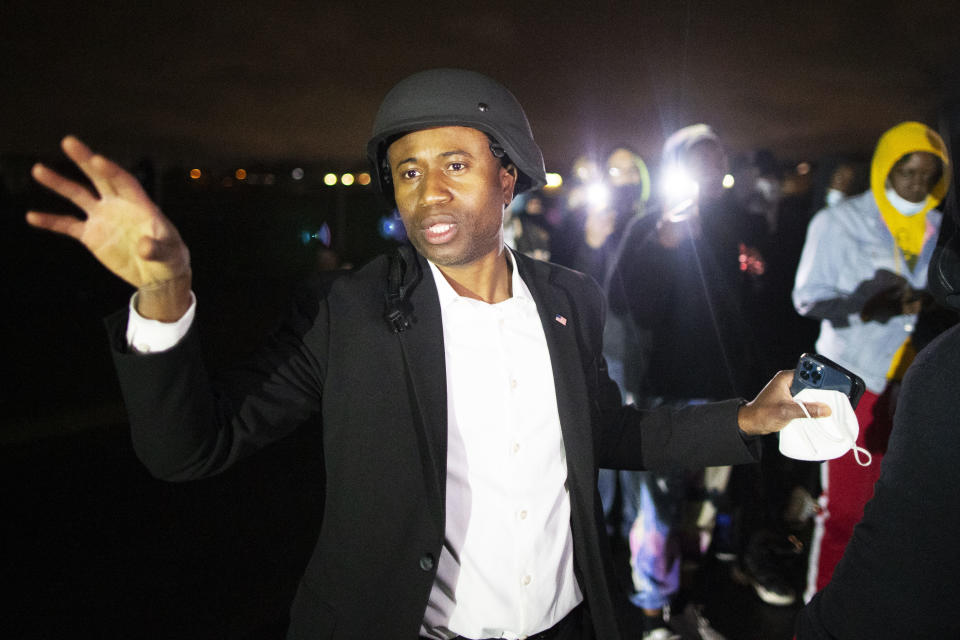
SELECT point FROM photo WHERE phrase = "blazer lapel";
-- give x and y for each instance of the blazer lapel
(423, 351)
(560, 326)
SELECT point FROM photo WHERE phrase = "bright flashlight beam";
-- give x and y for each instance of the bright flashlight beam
(598, 195)
(680, 193)
(677, 185)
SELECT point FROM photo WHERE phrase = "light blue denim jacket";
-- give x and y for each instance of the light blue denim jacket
(845, 246)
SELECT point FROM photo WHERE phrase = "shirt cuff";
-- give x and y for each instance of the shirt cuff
(152, 336)
(743, 434)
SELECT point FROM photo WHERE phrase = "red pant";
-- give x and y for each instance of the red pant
(847, 487)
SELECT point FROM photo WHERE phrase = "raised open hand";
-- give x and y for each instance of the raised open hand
(123, 229)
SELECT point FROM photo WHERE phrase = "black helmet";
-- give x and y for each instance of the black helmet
(456, 97)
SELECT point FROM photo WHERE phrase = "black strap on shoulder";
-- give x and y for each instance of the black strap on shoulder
(403, 275)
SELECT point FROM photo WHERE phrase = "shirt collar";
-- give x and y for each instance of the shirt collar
(448, 295)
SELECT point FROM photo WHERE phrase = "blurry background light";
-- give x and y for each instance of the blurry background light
(240, 174)
(195, 174)
(330, 179)
(728, 181)
(803, 168)
(554, 180)
(322, 234)
(391, 228)
(297, 174)
(347, 179)
(363, 178)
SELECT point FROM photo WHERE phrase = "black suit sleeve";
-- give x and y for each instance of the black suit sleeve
(184, 427)
(662, 438)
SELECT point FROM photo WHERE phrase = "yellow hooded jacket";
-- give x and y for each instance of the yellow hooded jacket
(906, 138)
(908, 231)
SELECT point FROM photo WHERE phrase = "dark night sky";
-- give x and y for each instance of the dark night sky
(188, 82)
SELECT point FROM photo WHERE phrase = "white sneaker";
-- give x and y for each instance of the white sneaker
(660, 633)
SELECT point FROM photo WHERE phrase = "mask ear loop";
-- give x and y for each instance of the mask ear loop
(857, 450)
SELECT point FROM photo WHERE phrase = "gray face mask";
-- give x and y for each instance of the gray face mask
(823, 438)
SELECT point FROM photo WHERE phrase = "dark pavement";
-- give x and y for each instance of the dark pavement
(96, 548)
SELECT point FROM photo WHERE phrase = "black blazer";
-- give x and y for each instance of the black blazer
(382, 400)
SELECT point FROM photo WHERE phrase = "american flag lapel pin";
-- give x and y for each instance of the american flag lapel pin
(559, 318)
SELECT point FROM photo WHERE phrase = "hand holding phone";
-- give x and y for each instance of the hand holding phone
(817, 372)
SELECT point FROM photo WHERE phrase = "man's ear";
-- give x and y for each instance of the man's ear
(508, 181)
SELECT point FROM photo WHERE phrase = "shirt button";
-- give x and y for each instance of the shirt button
(426, 561)
(516, 447)
(523, 514)
(908, 327)
(513, 384)
(525, 581)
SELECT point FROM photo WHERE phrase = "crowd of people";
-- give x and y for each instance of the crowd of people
(695, 279)
(475, 443)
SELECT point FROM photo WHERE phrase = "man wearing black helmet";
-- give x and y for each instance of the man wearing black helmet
(465, 402)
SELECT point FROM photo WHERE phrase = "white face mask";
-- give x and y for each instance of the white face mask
(823, 438)
(903, 205)
(834, 196)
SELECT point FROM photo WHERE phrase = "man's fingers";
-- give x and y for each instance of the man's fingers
(119, 179)
(67, 225)
(792, 410)
(72, 191)
(94, 166)
(817, 409)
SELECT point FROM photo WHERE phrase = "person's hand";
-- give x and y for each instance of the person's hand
(892, 296)
(774, 408)
(915, 301)
(123, 229)
(671, 233)
(598, 227)
(885, 304)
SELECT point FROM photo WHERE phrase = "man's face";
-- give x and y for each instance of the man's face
(451, 192)
(622, 168)
(842, 178)
(913, 176)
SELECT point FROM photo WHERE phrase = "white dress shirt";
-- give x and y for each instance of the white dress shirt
(506, 567)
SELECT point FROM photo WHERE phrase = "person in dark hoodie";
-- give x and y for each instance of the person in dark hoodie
(685, 278)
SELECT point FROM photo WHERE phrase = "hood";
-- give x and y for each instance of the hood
(681, 140)
(902, 140)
